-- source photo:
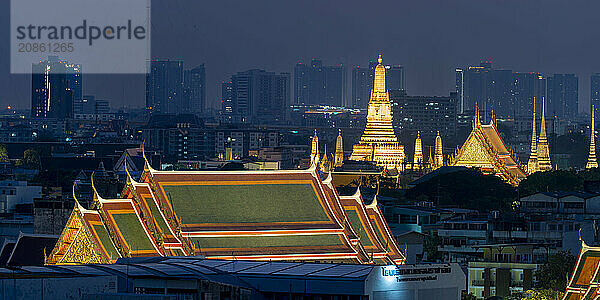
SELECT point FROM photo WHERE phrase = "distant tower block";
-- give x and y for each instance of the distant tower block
(439, 156)
(592, 161)
(379, 143)
(418, 158)
(532, 164)
(339, 150)
(543, 152)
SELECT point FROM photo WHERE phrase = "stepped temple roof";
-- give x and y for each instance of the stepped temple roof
(485, 149)
(253, 215)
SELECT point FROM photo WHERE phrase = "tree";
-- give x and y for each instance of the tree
(553, 274)
(3, 154)
(430, 246)
(551, 181)
(467, 188)
(30, 160)
(537, 294)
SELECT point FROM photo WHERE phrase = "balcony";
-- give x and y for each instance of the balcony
(545, 235)
(463, 248)
(481, 234)
(481, 283)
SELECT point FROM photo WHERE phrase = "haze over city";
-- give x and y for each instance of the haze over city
(429, 38)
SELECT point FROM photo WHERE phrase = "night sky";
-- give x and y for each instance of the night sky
(430, 38)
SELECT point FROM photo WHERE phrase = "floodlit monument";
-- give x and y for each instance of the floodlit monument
(379, 143)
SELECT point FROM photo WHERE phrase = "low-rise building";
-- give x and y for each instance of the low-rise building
(505, 269)
(16, 192)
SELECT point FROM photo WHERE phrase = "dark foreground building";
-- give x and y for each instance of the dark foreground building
(196, 278)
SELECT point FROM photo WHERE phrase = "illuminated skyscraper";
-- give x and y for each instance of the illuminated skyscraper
(195, 86)
(563, 94)
(165, 87)
(319, 85)
(256, 96)
(361, 87)
(55, 84)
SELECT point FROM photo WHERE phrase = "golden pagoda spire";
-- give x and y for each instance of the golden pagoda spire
(418, 158)
(592, 161)
(314, 153)
(325, 161)
(532, 164)
(543, 152)
(379, 143)
(339, 150)
(430, 162)
(439, 156)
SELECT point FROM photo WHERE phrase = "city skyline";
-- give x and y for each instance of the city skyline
(429, 52)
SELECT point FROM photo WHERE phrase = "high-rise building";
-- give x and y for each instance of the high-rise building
(54, 86)
(195, 86)
(256, 96)
(361, 87)
(424, 114)
(507, 93)
(227, 109)
(301, 83)
(319, 85)
(526, 88)
(394, 77)
(335, 85)
(90, 105)
(165, 87)
(563, 96)
(460, 90)
(595, 90)
(489, 88)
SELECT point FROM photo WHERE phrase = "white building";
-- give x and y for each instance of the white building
(13, 192)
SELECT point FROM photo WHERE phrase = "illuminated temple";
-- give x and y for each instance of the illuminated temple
(248, 215)
(379, 143)
(485, 150)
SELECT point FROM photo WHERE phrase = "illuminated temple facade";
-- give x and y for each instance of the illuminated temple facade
(485, 150)
(379, 143)
(248, 215)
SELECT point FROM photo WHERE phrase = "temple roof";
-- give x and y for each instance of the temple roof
(485, 149)
(259, 215)
(583, 283)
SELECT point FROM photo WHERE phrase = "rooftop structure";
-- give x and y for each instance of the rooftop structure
(484, 149)
(252, 215)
